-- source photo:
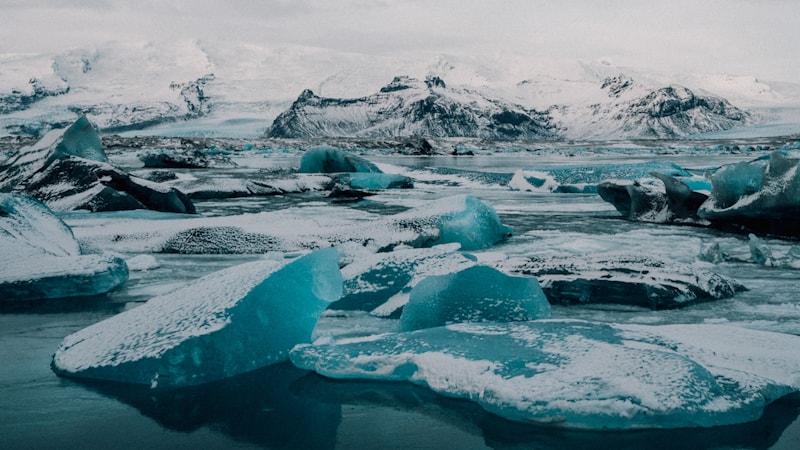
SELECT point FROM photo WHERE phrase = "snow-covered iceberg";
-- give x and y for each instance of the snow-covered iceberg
(761, 196)
(625, 279)
(577, 374)
(40, 258)
(67, 170)
(660, 199)
(462, 219)
(474, 294)
(226, 323)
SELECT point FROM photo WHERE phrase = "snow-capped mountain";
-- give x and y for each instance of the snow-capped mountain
(228, 89)
(630, 110)
(410, 107)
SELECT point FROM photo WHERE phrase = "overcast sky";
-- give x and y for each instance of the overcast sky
(742, 37)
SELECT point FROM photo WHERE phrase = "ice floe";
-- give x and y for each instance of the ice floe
(579, 374)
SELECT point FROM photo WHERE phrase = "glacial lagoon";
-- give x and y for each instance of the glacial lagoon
(281, 406)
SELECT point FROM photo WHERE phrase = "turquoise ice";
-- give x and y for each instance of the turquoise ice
(224, 324)
(578, 374)
(474, 294)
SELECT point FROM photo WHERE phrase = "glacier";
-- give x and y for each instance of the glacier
(580, 374)
(227, 323)
(475, 294)
(41, 259)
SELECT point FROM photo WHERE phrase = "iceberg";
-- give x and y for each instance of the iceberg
(333, 160)
(68, 170)
(674, 200)
(474, 294)
(375, 181)
(42, 260)
(578, 374)
(224, 324)
(639, 200)
(383, 281)
(759, 196)
(624, 279)
(79, 139)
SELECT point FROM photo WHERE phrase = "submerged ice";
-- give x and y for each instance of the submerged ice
(578, 374)
(226, 323)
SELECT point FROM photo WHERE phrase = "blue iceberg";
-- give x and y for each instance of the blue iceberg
(41, 259)
(474, 294)
(226, 323)
(464, 219)
(762, 196)
(333, 160)
(375, 181)
(383, 281)
(578, 374)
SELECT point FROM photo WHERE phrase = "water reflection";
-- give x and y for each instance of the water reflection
(258, 407)
(284, 407)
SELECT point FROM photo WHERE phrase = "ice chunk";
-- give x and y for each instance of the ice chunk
(375, 181)
(76, 183)
(79, 139)
(643, 200)
(226, 323)
(184, 159)
(41, 259)
(68, 170)
(474, 294)
(670, 201)
(26, 226)
(760, 252)
(623, 279)
(387, 278)
(760, 196)
(463, 219)
(333, 160)
(577, 374)
(712, 253)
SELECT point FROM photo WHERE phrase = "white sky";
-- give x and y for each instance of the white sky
(742, 37)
